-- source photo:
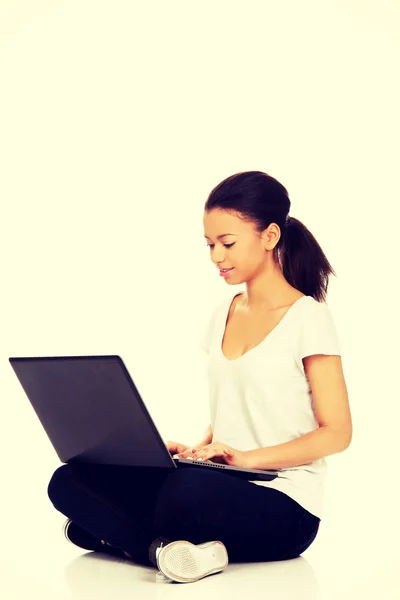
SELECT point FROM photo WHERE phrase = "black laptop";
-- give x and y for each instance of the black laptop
(93, 413)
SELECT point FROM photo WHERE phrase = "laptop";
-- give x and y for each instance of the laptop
(93, 413)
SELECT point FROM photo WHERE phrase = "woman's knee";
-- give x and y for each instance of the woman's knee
(58, 482)
(308, 536)
(309, 540)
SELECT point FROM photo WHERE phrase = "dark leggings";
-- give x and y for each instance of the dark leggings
(130, 507)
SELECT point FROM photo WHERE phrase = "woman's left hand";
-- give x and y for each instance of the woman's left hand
(231, 456)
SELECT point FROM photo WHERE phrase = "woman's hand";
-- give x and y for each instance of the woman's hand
(181, 449)
(229, 455)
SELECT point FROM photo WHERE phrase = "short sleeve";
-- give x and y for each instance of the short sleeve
(318, 332)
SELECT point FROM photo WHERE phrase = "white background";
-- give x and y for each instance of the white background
(117, 118)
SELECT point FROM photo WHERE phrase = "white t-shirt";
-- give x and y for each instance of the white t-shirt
(263, 398)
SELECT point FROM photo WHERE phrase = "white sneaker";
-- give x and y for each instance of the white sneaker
(185, 562)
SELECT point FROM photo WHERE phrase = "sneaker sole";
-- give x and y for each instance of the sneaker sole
(185, 562)
(65, 530)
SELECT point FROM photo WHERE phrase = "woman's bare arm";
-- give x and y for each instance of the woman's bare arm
(207, 439)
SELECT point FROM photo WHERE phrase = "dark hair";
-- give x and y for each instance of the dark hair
(261, 199)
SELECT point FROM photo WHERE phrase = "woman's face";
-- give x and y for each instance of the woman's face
(235, 243)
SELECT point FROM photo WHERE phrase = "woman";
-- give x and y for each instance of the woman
(278, 400)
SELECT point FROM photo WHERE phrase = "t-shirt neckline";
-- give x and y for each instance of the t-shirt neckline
(263, 341)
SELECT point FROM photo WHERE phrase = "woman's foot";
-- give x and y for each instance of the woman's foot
(83, 539)
(185, 562)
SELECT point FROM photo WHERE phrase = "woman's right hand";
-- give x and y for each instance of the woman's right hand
(184, 451)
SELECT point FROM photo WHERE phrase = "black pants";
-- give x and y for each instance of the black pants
(130, 507)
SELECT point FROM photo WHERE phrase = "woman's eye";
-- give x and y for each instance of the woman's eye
(226, 245)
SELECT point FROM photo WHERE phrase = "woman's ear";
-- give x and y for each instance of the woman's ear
(271, 236)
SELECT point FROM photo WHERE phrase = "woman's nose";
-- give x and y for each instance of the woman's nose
(219, 264)
(218, 258)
